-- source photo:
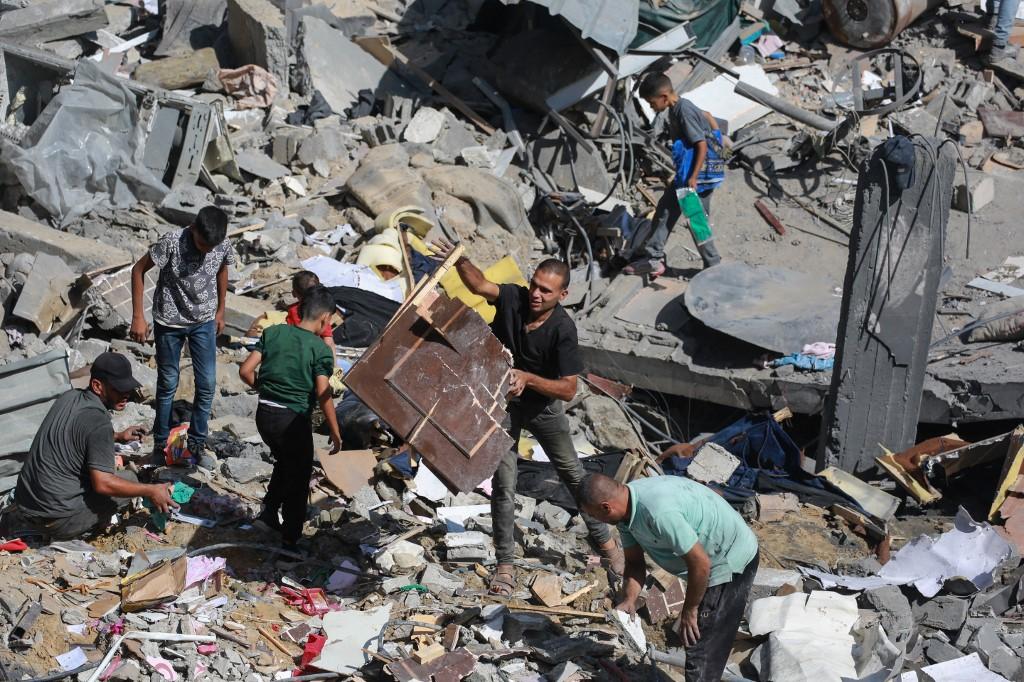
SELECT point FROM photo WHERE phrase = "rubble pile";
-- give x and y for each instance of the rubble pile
(343, 137)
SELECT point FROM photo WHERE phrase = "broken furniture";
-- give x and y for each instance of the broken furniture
(438, 376)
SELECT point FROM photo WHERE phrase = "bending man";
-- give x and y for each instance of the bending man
(690, 531)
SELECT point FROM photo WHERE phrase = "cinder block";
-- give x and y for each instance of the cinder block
(979, 191)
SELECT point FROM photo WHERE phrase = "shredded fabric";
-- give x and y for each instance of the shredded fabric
(202, 567)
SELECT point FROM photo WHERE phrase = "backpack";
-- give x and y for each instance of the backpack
(711, 174)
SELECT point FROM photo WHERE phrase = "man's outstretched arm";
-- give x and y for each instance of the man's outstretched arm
(470, 274)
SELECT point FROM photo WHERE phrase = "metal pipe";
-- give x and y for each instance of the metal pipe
(872, 23)
(785, 108)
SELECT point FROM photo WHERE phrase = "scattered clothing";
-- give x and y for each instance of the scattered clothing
(317, 109)
(810, 363)
(366, 315)
(820, 349)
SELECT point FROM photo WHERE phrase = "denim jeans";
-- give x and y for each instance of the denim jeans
(1005, 15)
(650, 243)
(550, 427)
(718, 618)
(289, 435)
(202, 346)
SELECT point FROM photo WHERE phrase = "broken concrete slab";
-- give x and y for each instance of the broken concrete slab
(258, 36)
(894, 607)
(246, 470)
(44, 297)
(259, 164)
(47, 20)
(20, 235)
(944, 612)
(176, 73)
(611, 428)
(350, 633)
(187, 25)
(323, 50)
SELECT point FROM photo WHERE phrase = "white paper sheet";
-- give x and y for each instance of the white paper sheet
(970, 550)
(348, 633)
(334, 273)
(72, 659)
(958, 670)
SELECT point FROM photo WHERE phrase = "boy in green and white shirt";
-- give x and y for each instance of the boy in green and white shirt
(295, 367)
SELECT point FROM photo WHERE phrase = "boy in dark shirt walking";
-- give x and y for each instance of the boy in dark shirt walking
(188, 306)
(696, 141)
(294, 372)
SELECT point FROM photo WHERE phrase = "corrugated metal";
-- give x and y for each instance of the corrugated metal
(611, 23)
(27, 389)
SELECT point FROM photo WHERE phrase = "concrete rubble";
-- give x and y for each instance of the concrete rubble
(344, 135)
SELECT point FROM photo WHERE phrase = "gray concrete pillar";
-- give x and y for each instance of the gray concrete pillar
(888, 308)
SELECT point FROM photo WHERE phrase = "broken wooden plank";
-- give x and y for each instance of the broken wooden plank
(1013, 467)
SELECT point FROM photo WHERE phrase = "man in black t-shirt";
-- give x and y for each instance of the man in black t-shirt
(69, 484)
(532, 324)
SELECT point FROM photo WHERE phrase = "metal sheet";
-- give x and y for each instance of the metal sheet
(27, 389)
(774, 308)
(438, 376)
(611, 23)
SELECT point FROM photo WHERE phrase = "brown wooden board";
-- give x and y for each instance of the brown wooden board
(438, 377)
(348, 470)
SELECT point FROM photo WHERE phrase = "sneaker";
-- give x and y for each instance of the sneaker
(647, 266)
(999, 54)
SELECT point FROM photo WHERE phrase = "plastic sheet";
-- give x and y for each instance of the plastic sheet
(85, 149)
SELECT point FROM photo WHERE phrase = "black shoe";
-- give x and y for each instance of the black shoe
(267, 522)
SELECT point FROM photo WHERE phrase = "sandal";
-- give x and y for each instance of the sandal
(503, 582)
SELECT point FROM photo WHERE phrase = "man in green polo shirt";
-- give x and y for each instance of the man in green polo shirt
(690, 531)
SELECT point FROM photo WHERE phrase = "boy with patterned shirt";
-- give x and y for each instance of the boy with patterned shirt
(188, 307)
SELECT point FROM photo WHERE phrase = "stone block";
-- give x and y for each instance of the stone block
(176, 73)
(972, 132)
(243, 405)
(611, 429)
(662, 604)
(939, 651)
(897, 617)
(244, 470)
(554, 517)
(425, 126)
(942, 613)
(439, 581)
(978, 192)
(258, 36)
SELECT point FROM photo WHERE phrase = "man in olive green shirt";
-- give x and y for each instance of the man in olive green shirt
(690, 531)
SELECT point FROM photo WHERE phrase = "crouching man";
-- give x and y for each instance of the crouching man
(690, 531)
(68, 485)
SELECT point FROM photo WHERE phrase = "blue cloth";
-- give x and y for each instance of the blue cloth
(812, 363)
(202, 346)
(769, 462)
(421, 265)
(711, 174)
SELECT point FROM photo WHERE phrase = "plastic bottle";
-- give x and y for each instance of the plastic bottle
(747, 55)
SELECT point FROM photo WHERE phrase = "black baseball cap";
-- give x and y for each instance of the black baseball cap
(115, 369)
(898, 154)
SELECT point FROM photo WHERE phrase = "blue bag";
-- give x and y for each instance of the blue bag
(711, 174)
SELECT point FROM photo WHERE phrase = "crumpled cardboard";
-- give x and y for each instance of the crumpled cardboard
(162, 582)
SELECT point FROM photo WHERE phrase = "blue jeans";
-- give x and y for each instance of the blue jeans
(1006, 13)
(202, 346)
